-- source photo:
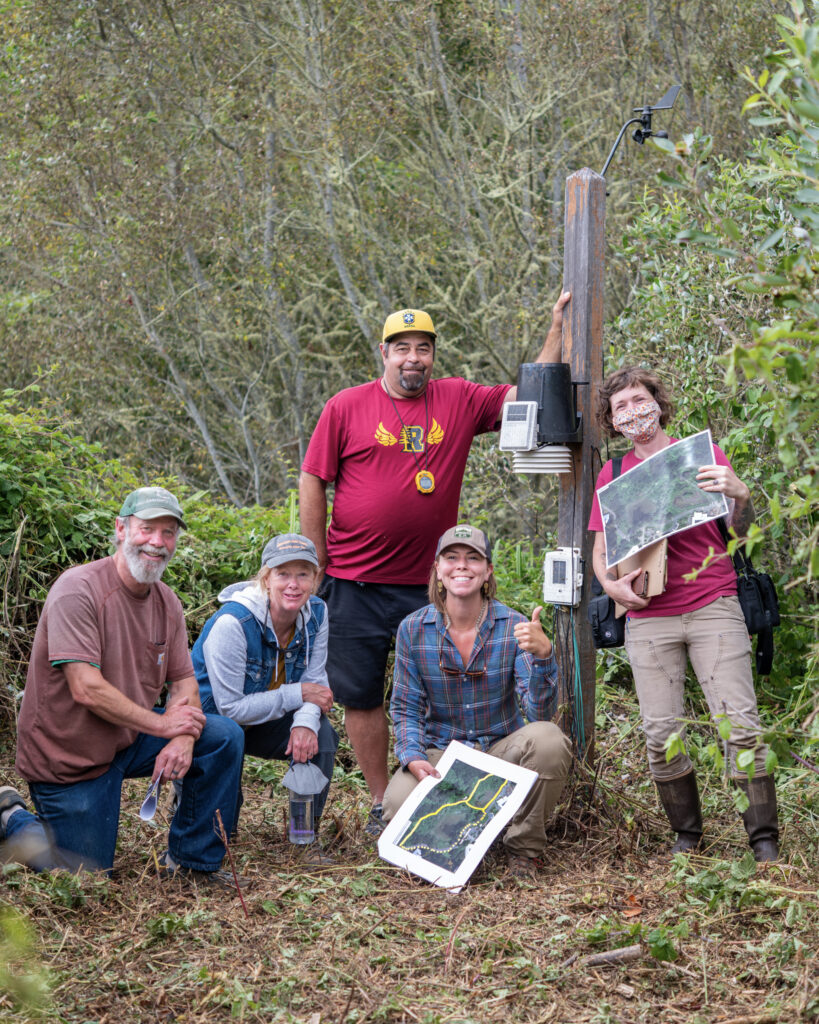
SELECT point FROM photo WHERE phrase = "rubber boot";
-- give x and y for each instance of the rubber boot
(760, 820)
(681, 802)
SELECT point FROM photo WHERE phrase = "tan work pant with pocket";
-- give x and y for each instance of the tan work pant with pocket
(540, 746)
(714, 638)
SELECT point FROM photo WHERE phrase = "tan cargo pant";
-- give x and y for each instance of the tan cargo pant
(540, 746)
(716, 641)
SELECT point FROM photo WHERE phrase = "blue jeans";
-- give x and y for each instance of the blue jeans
(270, 739)
(84, 816)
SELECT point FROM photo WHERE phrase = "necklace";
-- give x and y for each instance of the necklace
(424, 480)
(478, 621)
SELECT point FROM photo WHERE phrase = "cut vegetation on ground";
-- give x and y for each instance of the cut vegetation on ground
(711, 939)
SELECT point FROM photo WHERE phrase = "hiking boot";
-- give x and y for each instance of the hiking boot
(219, 879)
(375, 822)
(760, 819)
(681, 802)
(520, 866)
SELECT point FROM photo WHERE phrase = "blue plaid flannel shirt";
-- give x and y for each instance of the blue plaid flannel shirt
(436, 698)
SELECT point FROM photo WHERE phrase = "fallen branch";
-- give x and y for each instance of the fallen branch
(613, 957)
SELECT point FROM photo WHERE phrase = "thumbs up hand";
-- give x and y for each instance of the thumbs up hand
(531, 638)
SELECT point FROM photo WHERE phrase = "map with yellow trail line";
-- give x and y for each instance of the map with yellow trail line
(452, 815)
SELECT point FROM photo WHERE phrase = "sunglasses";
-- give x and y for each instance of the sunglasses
(477, 671)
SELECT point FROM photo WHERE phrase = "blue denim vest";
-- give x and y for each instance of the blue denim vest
(262, 648)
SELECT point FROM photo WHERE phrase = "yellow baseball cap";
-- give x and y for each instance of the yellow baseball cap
(406, 321)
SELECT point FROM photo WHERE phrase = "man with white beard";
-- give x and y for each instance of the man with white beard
(110, 637)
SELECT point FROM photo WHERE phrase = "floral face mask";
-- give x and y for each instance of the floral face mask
(640, 423)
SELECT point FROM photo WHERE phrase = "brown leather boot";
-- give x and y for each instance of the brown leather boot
(761, 820)
(681, 802)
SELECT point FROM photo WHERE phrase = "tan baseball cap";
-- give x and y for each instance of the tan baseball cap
(471, 536)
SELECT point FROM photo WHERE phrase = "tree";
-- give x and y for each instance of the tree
(210, 208)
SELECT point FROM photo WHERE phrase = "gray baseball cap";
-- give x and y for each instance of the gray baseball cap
(152, 503)
(471, 536)
(288, 547)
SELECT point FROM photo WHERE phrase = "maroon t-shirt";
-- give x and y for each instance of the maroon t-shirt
(383, 529)
(686, 552)
(137, 643)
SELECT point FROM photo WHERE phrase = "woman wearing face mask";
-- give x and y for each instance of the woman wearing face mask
(261, 660)
(698, 620)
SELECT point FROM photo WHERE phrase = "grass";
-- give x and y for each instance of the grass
(721, 939)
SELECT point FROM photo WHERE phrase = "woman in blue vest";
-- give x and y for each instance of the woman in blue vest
(261, 660)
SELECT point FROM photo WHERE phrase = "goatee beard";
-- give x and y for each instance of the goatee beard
(143, 573)
(414, 383)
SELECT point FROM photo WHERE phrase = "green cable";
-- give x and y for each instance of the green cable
(578, 691)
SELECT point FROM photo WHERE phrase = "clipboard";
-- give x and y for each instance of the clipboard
(653, 561)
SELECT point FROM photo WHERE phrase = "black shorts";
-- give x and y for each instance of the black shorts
(363, 619)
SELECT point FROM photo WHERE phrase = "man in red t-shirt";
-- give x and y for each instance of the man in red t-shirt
(396, 449)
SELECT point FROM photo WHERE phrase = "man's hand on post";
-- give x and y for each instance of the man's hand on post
(553, 346)
(552, 351)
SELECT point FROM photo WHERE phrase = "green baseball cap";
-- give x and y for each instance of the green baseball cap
(152, 503)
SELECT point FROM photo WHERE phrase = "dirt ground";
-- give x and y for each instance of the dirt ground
(714, 938)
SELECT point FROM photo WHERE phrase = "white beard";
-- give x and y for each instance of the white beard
(141, 572)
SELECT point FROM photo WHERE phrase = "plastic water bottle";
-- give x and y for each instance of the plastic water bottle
(301, 830)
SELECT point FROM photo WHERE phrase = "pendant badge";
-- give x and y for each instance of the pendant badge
(425, 481)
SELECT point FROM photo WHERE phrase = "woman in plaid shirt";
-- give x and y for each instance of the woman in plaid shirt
(469, 668)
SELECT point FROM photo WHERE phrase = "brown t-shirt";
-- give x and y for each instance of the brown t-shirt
(137, 642)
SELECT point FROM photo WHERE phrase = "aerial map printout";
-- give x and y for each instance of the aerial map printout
(445, 826)
(658, 497)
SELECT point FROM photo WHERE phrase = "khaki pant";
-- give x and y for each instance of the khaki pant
(716, 641)
(540, 746)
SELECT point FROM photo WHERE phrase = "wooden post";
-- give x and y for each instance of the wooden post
(584, 274)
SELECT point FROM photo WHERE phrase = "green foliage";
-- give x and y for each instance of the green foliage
(163, 925)
(725, 304)
(59, 888)
(22, 976)
(55, 489)
(611, 933)
(519, 572)
(209, 208)
(732, 884)
(58, 500)
(659, 939)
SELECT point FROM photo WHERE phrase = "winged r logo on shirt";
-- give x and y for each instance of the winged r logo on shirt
(410, 438)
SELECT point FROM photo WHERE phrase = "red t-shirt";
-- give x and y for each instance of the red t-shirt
(138, 643)
(383, 529)
(686, 551)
